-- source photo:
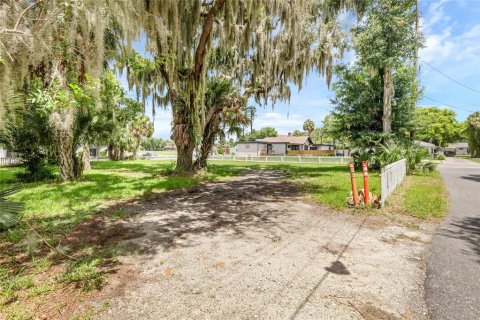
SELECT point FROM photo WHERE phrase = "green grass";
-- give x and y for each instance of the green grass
(327, 184)
(422, 196)
(55, 208)
(85, 274)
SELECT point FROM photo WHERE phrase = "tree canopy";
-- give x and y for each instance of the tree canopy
(437, 126)
(473, 133)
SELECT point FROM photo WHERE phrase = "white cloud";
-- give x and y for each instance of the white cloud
(445, 40)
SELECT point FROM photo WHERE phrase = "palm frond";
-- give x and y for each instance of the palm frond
(9, 210)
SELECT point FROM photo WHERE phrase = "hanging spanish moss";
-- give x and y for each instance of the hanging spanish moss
(268, 44)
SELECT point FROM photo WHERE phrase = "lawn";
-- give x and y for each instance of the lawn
(423, 196)
(56, 210)
(57, 207)
(327, 184)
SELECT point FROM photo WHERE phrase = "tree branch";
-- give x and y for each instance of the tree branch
(206, 31)
(23, 13)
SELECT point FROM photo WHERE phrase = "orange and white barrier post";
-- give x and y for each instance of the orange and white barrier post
(365, 182)
(354, 184)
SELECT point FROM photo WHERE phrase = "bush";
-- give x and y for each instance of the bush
(391, 151)
(440, 156)
(36, 166)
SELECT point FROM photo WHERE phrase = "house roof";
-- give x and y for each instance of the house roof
(458, 145)
(287, 139)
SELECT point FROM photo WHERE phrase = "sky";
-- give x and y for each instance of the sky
(452, 47)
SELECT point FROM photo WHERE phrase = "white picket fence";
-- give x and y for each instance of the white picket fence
(9, 161)
(270, 159)
(284, 159)
(391, 177)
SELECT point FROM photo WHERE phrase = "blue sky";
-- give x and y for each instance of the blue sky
(452, 31)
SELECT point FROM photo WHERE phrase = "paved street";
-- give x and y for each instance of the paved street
(453, 270)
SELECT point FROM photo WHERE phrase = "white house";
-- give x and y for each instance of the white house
(274, 146)
(460, 148)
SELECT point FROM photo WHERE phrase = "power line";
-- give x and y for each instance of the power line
(450, 78)
(448, 105)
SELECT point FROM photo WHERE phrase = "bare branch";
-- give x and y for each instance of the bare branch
(23, 13)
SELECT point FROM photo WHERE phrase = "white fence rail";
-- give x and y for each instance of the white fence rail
(9, 161)
(391, 176)
(270, 159)
(284, 159)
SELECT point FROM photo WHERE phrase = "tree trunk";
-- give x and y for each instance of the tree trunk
(208, 141)
(86, 157)
(388, 92)
(135, 149)
(66, 157)
(77, 166)
(183, 136)
(62, 125)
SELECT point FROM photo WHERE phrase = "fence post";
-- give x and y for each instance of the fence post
(354, 184)
(365, 182)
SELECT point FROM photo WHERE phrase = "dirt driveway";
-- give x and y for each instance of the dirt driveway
(252, 248)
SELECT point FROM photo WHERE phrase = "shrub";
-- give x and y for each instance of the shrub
(390, 151)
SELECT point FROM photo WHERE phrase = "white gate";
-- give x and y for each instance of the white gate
(391, 176)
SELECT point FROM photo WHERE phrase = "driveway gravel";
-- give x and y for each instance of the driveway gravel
(254, 248)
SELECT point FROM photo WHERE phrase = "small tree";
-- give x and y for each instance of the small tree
(309, 126)
(141, 127)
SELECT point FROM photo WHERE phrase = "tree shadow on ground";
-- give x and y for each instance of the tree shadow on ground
(178, 219)
(468, 230)
(163, 220)
(472, 177)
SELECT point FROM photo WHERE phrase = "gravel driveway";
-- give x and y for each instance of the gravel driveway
(253, 248)
(453, 275)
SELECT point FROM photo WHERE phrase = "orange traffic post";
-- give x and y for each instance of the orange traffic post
(365, 182)
(354, 184)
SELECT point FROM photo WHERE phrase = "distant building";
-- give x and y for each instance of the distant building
(281, 145)
(458, 148)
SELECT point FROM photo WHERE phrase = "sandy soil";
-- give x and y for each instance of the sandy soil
(253, 248)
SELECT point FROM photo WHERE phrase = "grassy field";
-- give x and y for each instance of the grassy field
(57, 210)
(422, 196)
(327, 184)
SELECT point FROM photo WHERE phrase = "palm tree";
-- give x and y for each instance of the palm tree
(250, 113)
(141, 128)
(226, 115)
(309, 126)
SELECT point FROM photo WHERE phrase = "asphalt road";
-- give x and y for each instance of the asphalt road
(453, 266)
